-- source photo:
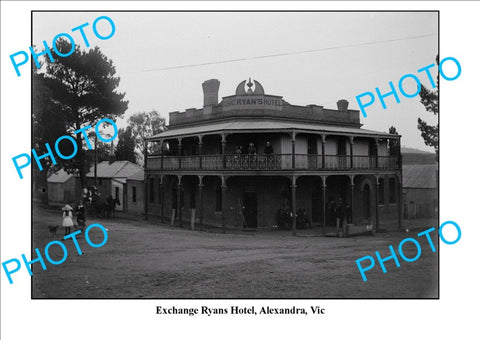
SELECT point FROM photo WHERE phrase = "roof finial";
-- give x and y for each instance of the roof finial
(249, 84)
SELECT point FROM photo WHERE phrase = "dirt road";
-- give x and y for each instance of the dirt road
(146, 260)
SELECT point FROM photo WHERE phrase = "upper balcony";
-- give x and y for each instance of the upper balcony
(299, 138)
(270, 163)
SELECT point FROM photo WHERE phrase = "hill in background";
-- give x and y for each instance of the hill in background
(416, 156)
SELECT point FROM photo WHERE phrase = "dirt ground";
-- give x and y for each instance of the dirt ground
(144, 259)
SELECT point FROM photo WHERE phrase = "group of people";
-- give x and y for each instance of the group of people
(89, 194)
(252, 149)
(67, 217)
(285, 218)
(338, 213)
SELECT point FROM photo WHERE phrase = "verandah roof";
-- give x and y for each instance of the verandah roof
(264, 126)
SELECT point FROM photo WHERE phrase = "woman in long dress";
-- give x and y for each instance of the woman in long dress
(67, 218)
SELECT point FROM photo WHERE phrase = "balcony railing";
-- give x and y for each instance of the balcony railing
(270, 162)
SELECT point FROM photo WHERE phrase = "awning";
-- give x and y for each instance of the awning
(264, 126)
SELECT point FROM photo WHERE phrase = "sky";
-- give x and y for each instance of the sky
(306, 57)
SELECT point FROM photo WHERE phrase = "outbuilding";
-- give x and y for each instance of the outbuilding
(63, 187)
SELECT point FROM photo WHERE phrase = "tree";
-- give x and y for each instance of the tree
(47, 126)
(83, 87)
(125, 150)
(393, 144)
(429, 99)
(145, 124)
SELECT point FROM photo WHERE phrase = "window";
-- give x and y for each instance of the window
(381, 191)
(134, 194)
(152, 191)
(392, 190)
(117, 193)
(218, 199)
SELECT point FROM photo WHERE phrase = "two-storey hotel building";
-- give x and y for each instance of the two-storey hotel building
(238, 162)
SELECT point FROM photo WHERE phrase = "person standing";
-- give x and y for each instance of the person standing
(252, 159)
(268, 149)
(80, 212)
(252, 150)
(109, 206)
(67, 222)
(84, 194)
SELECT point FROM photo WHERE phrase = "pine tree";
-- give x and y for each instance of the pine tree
(393, 144)
(429, 99)
(82, 87)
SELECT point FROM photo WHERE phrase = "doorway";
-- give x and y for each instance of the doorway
(342, 151)
(250, 209)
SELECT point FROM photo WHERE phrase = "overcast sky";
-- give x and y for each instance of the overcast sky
(352, 53)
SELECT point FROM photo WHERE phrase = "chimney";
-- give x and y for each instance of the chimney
(342, 105)
(210, 92)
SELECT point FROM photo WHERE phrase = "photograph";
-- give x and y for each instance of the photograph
(234, 154)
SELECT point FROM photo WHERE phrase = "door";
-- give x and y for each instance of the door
(342, 152)
(312, 151)
(250, 209)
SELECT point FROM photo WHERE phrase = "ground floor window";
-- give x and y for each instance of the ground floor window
(134, 194)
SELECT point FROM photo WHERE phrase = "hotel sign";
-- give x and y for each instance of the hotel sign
(252, 102)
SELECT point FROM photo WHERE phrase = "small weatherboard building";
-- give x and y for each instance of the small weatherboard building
(241, 161)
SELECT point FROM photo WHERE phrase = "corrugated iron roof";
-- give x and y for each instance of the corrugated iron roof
(138, 176)
(263, 125)
(118, 169)
(420, 176)
(61, 176)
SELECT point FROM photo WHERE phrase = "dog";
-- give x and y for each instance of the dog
(53, 230)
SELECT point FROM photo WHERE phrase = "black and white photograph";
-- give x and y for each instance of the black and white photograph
(240, 165)
(238, 169)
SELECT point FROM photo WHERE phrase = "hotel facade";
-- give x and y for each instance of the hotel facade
(213, 165)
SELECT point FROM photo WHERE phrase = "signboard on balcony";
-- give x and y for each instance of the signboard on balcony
(252, 102)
